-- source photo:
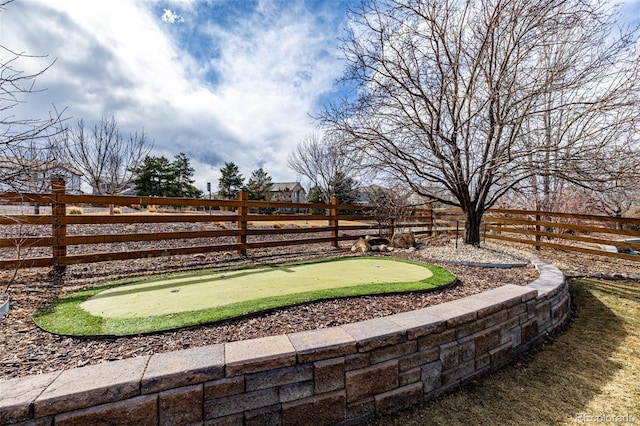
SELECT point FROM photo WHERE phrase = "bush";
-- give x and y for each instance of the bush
(75, 210)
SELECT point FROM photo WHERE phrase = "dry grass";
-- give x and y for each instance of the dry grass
(593, 368)
(75, 210)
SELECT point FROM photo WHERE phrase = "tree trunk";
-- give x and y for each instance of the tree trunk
(472, 221)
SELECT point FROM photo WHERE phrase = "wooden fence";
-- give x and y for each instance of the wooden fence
(240, 225)
(615, 237)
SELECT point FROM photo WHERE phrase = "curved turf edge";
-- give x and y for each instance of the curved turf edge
(65, 317)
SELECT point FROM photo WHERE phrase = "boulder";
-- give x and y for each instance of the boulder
(361, 246)
(403, 240)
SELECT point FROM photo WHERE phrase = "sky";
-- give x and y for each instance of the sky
(220, 80)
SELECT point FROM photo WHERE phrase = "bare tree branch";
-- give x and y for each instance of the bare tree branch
(481, 97)
(22, 140)
(104, 155)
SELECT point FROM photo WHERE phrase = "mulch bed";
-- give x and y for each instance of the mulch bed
(27, 350)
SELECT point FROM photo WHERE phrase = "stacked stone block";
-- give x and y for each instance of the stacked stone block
(338, 375)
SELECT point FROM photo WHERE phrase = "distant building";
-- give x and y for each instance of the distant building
(367, 193)
(107, 188)
(27, 175)
(422, 200)
(288, 192)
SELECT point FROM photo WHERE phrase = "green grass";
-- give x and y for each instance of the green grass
(592, 368)
(145, 305)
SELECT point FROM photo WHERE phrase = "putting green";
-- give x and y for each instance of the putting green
(144, 305)
(184, 293)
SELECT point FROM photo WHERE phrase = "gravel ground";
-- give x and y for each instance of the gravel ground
(486, 254)
(26, 350)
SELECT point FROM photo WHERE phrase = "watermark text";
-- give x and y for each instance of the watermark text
(605, 418)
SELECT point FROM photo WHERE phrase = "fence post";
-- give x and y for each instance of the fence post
(59, 226)
(333, 221)
(392, 220)
(430, 218)
(538, 237)
(242, 222)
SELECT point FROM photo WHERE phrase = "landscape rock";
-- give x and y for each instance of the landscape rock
(403, 240)
(361, 246)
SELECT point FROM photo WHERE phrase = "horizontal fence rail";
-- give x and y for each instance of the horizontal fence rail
(615, 237)
(187, 226)
(203, 226)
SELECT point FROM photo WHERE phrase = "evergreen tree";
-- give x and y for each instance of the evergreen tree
(230, 181)
(259, 185)
(182, 179)
(344, 188)
(158, 177)
(152, 177)
(316, 196)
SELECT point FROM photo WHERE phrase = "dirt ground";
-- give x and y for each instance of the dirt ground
(26, 350)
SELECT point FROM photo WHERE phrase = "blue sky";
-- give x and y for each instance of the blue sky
(220, 80)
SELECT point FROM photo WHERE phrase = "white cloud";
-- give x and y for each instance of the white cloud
(117, 58)
(170, 17)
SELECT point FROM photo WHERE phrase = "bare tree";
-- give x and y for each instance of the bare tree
(104, 155)
(321, 160)
(390, 206)
(592, 134)
(21, 138)
(461, 95)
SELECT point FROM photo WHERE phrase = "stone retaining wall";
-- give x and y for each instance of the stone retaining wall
(327, 376)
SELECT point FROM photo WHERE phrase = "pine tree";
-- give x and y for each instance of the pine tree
(182, 178)
(230, 181)
(344, 188)
(158, 177)
(152, 177)
(259, 185)
(316, 196)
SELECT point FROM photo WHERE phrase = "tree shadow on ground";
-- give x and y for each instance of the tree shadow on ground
(555, 382)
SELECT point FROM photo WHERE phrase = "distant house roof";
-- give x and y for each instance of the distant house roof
(439, 192)
(108, 188)
(291, 192)
(286, 186)
(365, 192)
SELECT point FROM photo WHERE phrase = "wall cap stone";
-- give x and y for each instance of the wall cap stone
(253, 355)
(170, 370)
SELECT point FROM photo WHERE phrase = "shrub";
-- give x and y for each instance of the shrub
(75, 210)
